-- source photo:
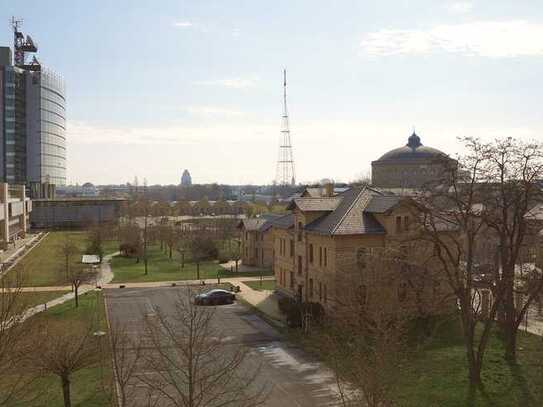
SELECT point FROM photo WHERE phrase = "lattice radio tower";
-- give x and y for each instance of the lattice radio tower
(285, 174)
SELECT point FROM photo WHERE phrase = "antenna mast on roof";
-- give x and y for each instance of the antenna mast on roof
(22, 45)
(285, 174)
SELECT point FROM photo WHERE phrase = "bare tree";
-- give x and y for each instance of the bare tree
(13, 332)
(365, 338)
(67, 249)
(126, 351)
(448, 217)
(191, 365)
(78, 275)
(510, 191)
(62, 351)
(201, 248)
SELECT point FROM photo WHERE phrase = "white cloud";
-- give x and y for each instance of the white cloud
(233, 83)
(210, 111)
(460, 7)
(498, 39)
(183, 24)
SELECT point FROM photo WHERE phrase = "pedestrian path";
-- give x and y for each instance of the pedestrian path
(104, 277)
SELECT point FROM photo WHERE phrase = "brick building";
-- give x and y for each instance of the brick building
(318, 245)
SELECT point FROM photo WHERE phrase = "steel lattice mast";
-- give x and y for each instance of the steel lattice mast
(285, 174)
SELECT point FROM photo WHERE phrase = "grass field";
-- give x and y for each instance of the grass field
(161, 268)
(257, 285)
(31, 299)
(44, 265)
(87, 389)
(436, 374)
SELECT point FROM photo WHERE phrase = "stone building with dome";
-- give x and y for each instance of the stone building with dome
(410, 166)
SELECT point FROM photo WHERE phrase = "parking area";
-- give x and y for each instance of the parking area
(295, 379)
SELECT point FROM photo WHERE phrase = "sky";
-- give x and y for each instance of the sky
(157, 87)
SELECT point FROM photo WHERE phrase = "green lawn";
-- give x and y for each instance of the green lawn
(264, 285)
(30, 299)
(161, 268)
(44, 266)
(87, 389)
(437, 376)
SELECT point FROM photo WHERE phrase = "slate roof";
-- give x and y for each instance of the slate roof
(381, 204)
(316, 204)
(260, 224)
(283, 222)
(253, 224)
(350, 216)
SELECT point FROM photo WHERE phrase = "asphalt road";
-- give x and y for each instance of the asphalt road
(293, 377)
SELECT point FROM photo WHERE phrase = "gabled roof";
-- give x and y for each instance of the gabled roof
(326, 204)
(382, 203)
(260, 224)
(252, 224)
(283, 222)
(349, 217)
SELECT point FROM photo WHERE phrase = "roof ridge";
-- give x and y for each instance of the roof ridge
(348, 210)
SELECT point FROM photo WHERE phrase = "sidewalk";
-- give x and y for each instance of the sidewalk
(104, 277)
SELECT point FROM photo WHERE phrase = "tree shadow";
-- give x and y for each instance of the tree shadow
(527, 398)
(471, 398)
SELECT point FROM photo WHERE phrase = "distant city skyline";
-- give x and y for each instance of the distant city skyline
(200, 83)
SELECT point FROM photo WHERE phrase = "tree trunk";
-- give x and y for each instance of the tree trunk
(66, 391)
(197, 271)
(76, 288)
(511, 343)
(170, 252)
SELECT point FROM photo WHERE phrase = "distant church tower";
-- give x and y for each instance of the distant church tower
(186, 179)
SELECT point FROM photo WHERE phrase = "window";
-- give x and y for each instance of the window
(398, 224)
(311, 253)
(320, 256)
(291, 279)
(325, 294)
(246, 235)
(320, 291)
(291, 248)
(361, 257)
(325, 257)
(300, 228)
(310, 288)
(256, 253)
(299, 264)
(406, 223)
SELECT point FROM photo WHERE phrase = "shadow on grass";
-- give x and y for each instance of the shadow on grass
(519, 379)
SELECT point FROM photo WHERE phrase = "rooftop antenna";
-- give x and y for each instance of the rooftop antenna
(285, 174)
(22, 45)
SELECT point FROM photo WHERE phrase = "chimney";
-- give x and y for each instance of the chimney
(329, 189)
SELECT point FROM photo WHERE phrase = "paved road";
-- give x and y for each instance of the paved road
(295, 379)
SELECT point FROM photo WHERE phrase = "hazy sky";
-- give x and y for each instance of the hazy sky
(158, 86)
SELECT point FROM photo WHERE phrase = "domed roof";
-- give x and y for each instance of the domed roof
(413, 150)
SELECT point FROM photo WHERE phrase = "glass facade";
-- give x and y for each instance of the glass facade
(53, 128)
(46, 142)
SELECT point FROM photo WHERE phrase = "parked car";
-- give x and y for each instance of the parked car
(215, 297)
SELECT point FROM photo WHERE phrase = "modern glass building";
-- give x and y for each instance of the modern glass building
(46, 128)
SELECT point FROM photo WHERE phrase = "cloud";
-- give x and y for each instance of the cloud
(233, 83)
(210, 111)
(183, 24)
(460, 7)
(496, 39)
